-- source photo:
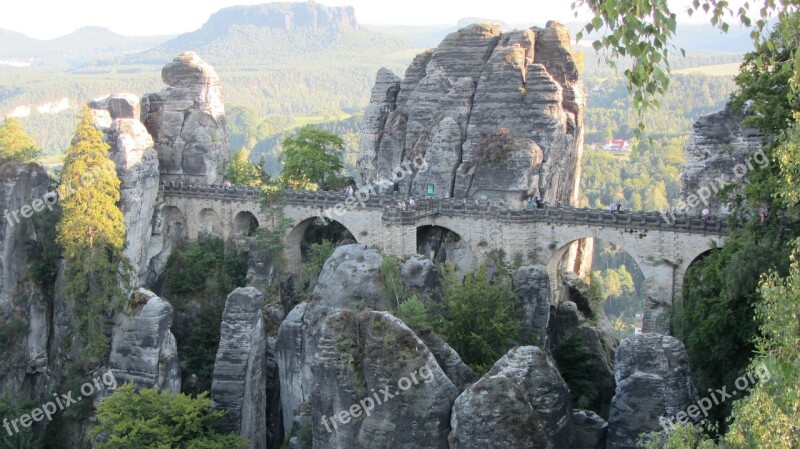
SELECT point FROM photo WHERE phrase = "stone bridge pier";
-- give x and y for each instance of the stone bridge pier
(663, 251)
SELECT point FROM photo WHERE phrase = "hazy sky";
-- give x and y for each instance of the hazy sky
(45, 19)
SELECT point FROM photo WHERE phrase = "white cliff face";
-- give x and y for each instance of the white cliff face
(494, 114)
(187, 122)
(133, 152)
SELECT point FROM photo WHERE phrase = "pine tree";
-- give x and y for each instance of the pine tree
(92, 233)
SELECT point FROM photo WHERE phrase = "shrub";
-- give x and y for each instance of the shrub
(318, 253)
(576, 365)
(477, 318)
(149, 418)
(412, 312)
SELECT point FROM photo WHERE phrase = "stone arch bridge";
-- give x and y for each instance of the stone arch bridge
(662, 250)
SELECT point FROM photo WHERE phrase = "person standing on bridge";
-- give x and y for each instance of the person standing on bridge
(613, 208)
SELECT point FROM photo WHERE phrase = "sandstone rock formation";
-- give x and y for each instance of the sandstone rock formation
(494, 114)
(350, 279)
(532, 284)
(187, 122)
(456, 370)
(577, 316)
(720, 149)
(24, 313)
(522, 402)
(361, 353)
(143, 349)
(653, 380)
(589, 430)
(133, 152)
(240, 369)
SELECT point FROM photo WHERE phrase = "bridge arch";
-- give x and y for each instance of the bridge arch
(293, 248)
(209, 222)
(244, 224)
(441, 243)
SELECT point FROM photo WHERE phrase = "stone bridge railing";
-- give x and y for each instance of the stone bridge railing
(454, 207)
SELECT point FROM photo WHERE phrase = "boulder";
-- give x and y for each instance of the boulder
(143, 349)
(240, 370)
(522, 402)
(456, 370)
(419, 273)
(496, 115)
(653, 380)
(589, 430)
(376, 385)
(187, 122)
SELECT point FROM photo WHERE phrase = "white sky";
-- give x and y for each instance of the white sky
(45, 19)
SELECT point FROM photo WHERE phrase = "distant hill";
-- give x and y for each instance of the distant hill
(690, 37)
(276, 33)
(80, 47)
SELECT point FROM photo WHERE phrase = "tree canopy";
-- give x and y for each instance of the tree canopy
(92, 233)
(312, 159)
(15, 143)
(149, 418)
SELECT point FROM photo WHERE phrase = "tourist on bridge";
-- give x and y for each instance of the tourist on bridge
(619, 206)
(613, 208)
(539, 202)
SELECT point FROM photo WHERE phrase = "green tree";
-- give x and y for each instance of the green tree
(16, 144)
(242, 171)
(413, 312)
(92, 233)
(149, 418)
(478, 317)
(312, 158)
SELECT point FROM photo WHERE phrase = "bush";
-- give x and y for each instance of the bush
(478, 318)
(412, 312)
(150, 418)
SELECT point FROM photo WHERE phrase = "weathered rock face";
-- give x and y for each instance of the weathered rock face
(532, 283)
(653, 380)
(143, 349)
(187, 122)
(362, 353)
(522, 402)
(720, 149)
(494, 114)
(23, 308)
(589, 429)
(350, 279)
(577, 316)
(240, 369)
(133, 152)
(456, 370)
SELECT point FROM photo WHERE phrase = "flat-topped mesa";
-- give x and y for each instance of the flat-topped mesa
(284, 16)
(496, 115)
(187, 122)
